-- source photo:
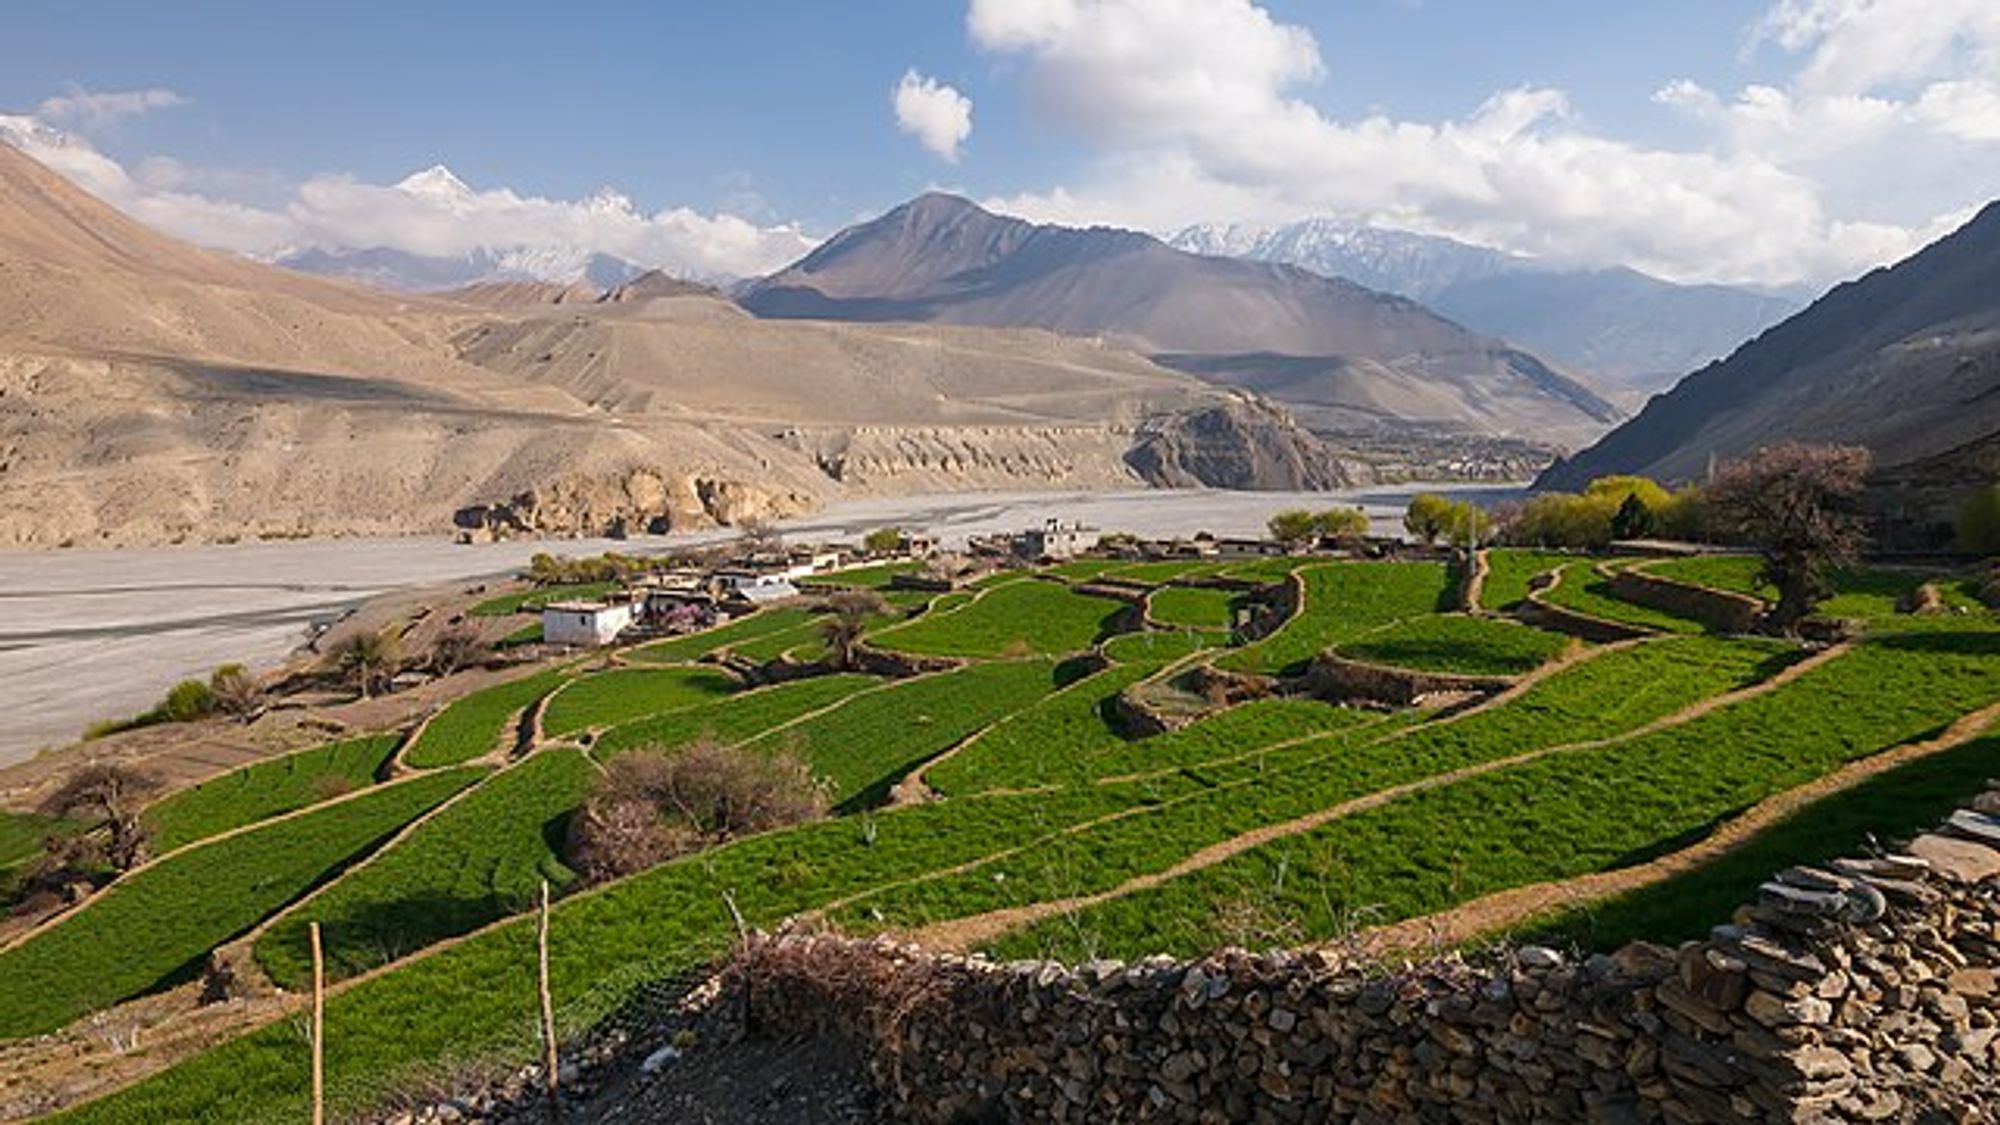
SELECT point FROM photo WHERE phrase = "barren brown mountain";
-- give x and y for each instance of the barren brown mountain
(154, 392)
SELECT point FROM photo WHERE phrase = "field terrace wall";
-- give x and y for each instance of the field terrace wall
(1340, 679)
(1864, 992)
(1718, 609)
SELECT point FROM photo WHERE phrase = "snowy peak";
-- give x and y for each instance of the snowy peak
(435, 182)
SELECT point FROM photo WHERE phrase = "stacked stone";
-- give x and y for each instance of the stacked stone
(1864, 991)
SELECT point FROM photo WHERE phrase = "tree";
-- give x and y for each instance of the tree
(1342, 523)
(111, 792)
(1428, 516)
(236, 691)
(457, 648)
(1294, 527)
(1466, 524)
(1800, 506)
(650, 805)
(367, 658)
(852, 610)
(759, 537)
(1979, 522)
(1633, 519)
(883, 541)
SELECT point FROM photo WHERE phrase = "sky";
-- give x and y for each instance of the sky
(1768, 142)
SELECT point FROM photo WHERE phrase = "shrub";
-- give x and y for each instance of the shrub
(1979, 522)
(1293, 527)
(236, 691)
(1342, 523)
(458, 647)
(883, 541)
(367, 658)
(187, 701)
(646, 809)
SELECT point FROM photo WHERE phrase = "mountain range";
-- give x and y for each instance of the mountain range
(1905, 361)
(151, 391)
(1351, 362)
(1630, 333)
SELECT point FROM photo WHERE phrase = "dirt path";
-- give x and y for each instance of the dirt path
(1505, 909)
(962, 934)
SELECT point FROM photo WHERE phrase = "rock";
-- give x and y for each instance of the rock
(1962, 861)
(1538, 958)
(658, 1060)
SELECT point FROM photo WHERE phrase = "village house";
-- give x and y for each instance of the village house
(1055, 540)
(582, 624)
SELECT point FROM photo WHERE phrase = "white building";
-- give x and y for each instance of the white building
(585, 624)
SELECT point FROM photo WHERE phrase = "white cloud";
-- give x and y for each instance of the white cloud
(1197, 105)
(89, 109)
(938, 116)
(431, 213)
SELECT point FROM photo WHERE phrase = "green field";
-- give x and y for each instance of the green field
(154, 927)
(694, 646)
(474, 726)
(1019, 618)
(863, 746)
(1359, 816)
(1193, 607)
(624, 694)
(1342, 601)
(1509, 571)
(1864, 593)
(535, 597)
(1457, 643)
(1582, 590)
(266, 789)
(1164, 571)
(735, 719)
(477, 861)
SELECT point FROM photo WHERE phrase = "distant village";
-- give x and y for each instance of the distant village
(676, 598)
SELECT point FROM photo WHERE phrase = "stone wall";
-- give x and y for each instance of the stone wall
(1717, 609)
(1862, 992)
(1339, 679)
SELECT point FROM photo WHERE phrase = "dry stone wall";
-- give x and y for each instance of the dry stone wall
(1717, 609)
(1339, 679)
(1862, 992)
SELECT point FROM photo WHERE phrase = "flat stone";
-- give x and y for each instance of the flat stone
(1961, 860)
(1974, 826)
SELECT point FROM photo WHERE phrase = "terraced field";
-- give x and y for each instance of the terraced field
(1510, 571)
(623, 695)
(1583, 590)
(1864, 593)
(1193, 607)
(1050, 827)
(1023, 617)
(265, 790)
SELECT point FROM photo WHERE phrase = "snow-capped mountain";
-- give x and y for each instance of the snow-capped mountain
(1631, 332)
(385, 267)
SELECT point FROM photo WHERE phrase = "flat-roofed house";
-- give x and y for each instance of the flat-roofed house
(585, 624)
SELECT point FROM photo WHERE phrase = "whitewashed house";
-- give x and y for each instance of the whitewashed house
(585, 624)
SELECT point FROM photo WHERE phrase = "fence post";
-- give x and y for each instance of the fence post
(318, 1031)
(549, 1062)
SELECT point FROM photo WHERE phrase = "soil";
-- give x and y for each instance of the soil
(753, 1081)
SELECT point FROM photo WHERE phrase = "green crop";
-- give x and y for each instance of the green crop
(472, 726)
(1194, 607)
(1583, 591)
(1342, 601)
(734, 719)
(1510, 570)
(474, 862)
(1164, 571)
(1022, 749)
(1018, 618)
(1457, 643)
(539, 596)
(693, 646)
(154, 927)
(265, 789)
(622, 695)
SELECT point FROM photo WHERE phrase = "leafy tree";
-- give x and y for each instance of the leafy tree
(843, 630)
(883, 541)
(1467, 524)
(368, 659)
(111, 792)
(1342, 523)
(1800, 506)
(1428, 516)
(1979, 522)
(1633, 519)
(1294, 527)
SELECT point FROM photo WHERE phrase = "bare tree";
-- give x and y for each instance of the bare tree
(759, 537)
(368, 658)
(849, 621)
(649, 806)
(111, 792)
(236, 690)
(457, 648)
(1800, 505)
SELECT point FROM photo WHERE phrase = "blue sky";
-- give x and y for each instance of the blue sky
(1636, 132)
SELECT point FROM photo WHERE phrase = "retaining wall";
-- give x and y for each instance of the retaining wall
(1720, 610)
(1339, 679)
(1863, 992)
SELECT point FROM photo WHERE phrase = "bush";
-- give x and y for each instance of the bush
(236, 691)
(1979, 522)
(646, 809)
(1431, 517)
(1342, 523)
(1293, 527)
(1616, 507)
(883, 541)
(187, 701)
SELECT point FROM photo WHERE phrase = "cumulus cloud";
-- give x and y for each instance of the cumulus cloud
(431, 213)
(938, 116)
(1196, 105)
(80, 108)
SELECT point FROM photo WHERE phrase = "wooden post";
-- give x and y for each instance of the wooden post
(549, 1062)
(318, 1031)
